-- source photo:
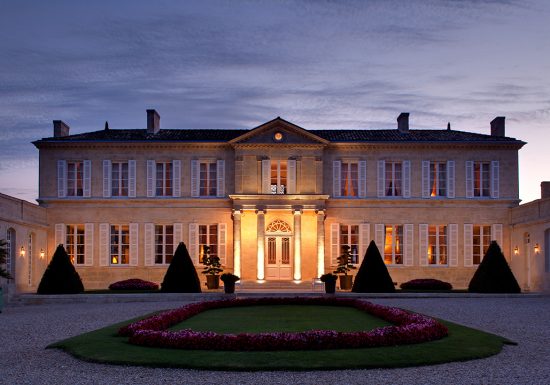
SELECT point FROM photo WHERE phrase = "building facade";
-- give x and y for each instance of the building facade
(278, 202)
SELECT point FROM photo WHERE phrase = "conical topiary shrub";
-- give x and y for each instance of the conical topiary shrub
(373, 275)
(493, 274)
(181, 276)
(60, 276)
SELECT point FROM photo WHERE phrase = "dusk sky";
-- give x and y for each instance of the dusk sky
(237, 64)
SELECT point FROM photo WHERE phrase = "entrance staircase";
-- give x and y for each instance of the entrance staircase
(280, 286)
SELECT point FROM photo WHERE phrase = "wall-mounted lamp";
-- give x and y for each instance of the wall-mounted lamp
(42, 253)
(22, 251)
(516, 250)
(536, 248)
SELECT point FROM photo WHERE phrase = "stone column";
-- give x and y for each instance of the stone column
(320, 242)
(297, 244)
(237, 242)
(260, 217)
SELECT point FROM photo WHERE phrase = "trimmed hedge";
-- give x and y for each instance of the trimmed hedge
(133, 284)
(60, 276)
(181, 276)
(373, 275)
(493, 274)
(426, 284)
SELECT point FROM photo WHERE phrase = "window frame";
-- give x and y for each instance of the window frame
(164, 185)
(72, 232)
(398, 233)
(75, 177)
(346, 177)
(481, 179)
(166, 245)
(211, 182)
(212, 230)
(122, 231)
(118, 182)
(481, 247)
(390, 184)
(438, 185)
(437, 256)
(280, 187)
(349, 235)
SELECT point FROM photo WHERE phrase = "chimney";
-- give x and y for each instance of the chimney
(545, 190)
(403, 122)
(60, 129)
(153, 122)
(497, 126)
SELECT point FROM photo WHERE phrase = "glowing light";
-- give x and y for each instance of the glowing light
(516, 250)
(536, 248)
(22, 251)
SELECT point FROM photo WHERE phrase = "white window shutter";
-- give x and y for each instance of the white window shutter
(88, 244)
(176, 178)
(364, 240)
(362, 178)
(336, 175)
(150, 244)
(334, 243)
(134, 237)
(453, 244)
(425, 179)
(195, 178)
(178, 234)
(423, 246)
(220, 170)
(151, 178)
(381, 180)
(61, 178)
(409, 244)
(104, 244)
(194, 242)
(450, 179)
(406, 179)
(107, 175)
(469, 179)
(60, 234)
(266, 176)
(468, 245)
(132, 178)
(291, 176)
(222, 240)
(379, 237)
(495, 179)
(87, 185)
(496, 233)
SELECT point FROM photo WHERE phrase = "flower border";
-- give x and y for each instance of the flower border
(407, 328)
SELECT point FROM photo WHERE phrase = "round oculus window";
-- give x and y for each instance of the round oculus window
(278, 136)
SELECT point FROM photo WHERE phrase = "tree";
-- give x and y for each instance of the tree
(3, 255)
(60, 276)
(493, 274)
(373, 275)
(181, 276)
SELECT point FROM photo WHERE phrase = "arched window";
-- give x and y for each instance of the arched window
(278, 226)
(11, 244)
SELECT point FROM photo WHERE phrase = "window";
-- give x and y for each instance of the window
(349, 235)
(393, 179)
(208, 236)
(10, 249)
(164, 244)
(482, 179)
(481, 241)
(393, 244)
(278, 177)
(438, 179)
(75, 243)
(120, 245)
(437, 245)
(75, 179)
(349, 179)
(208, 179)
(119, 179)
(164, 179)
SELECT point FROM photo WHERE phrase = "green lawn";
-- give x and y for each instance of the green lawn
(105, 346)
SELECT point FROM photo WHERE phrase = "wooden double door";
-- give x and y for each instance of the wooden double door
(278, 257)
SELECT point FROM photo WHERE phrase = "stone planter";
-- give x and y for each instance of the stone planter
(213, 282)
(330, 287)
(229, 287)
(345, 282)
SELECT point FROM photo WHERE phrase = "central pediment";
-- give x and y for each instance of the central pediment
(279, 131)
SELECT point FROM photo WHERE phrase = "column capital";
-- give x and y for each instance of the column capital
(322, 212)
(297, 210)
(260, 211)
(236, 212)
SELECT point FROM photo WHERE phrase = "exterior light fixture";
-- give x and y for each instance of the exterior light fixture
(516, 250)
(22, 251)
(42, 253)
(536, 248)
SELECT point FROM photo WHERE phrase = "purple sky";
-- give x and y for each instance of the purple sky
(237, 64)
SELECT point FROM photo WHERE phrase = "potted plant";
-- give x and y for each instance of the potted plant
(344, 266)
(3, 273)
(229, 280)
(212, 269)
(330, 282)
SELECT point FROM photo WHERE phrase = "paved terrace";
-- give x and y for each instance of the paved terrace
(26, 329)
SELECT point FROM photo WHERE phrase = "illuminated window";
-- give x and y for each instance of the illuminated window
(437, 245)
(164, 179)
(208, 236)
(120, 245)
(394, 176)
(75, 243)
(482, 179)
(278, 177)
(438, 179)
(349, 179)
(393, 244)
(164, 244)
(481, 241)
(208, 179)
(349, 235)
(119, 178)
(75, 179)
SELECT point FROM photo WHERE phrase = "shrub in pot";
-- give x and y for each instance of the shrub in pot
(373, 275)
(229, 280)
(212, 269)
(344, 267)
(330, 282)
(181, 276)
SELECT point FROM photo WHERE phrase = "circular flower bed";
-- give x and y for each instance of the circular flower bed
(407, 328)
(133, 284)
(426, 284)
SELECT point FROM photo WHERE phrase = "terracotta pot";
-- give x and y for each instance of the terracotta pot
(213, 282)
(330, 287)
(229, 287)
(345, 282)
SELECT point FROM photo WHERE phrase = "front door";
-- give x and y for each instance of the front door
(278, 257)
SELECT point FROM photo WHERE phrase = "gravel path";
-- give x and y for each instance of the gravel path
(26, 330)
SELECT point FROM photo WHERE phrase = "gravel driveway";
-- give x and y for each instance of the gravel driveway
(26, 330)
